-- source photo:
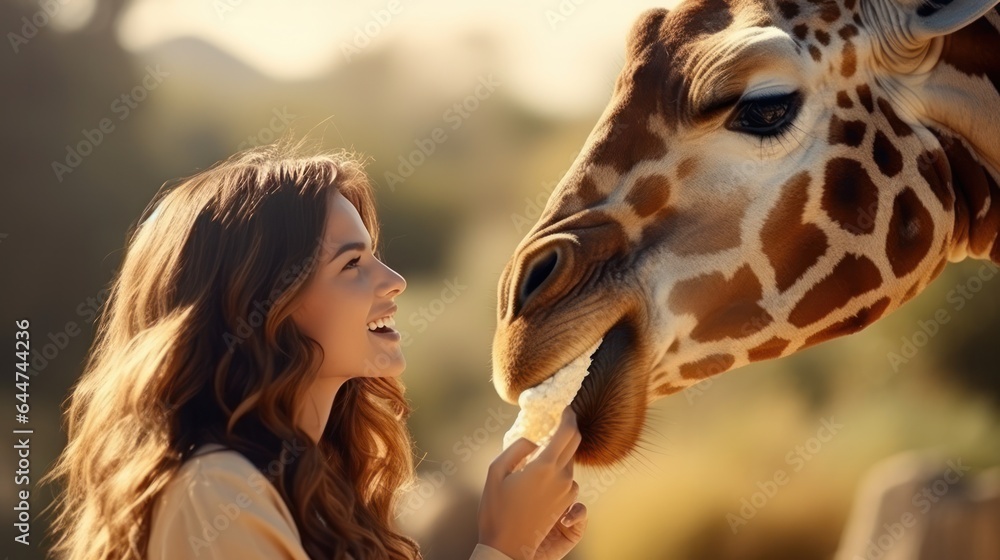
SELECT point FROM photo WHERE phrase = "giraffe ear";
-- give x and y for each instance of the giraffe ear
(925, 19)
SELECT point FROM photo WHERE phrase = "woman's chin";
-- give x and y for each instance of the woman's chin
(384, 365)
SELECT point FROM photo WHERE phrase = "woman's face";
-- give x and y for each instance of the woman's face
(350, 290)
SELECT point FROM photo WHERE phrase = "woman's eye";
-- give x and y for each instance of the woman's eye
(353, 263)
(765, 116)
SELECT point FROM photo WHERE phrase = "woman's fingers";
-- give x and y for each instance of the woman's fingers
(577, 512)
(507, 461)
(567, 470)
(568, 452)
(564, 441)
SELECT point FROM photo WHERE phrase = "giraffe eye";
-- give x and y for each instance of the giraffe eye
(765, 116)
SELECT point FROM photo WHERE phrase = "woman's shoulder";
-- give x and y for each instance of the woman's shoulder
(219, 501)
(216, 469)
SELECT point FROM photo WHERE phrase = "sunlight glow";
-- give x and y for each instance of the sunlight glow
(559, 57)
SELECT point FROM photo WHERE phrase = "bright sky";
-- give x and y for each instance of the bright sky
(559, 56)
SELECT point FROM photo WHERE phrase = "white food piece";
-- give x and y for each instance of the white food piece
(542, 405)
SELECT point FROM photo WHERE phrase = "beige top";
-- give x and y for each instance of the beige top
(220, 507)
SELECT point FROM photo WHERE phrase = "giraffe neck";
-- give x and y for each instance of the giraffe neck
(962, 95)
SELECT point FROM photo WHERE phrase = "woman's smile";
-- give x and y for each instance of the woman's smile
(383, 328)
(383, 325)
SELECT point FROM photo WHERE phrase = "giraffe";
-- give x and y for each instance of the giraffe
(768, 175)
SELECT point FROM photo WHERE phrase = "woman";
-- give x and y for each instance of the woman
(242, 397)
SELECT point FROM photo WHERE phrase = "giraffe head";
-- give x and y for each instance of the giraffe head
(760, 182)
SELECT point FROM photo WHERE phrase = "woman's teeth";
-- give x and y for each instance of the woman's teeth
(381, 323)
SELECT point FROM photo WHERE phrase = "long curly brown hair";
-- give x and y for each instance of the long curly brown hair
(196, 344)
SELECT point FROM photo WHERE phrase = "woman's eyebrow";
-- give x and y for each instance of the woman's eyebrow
(355, 245)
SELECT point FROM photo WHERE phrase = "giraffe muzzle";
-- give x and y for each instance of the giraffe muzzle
(611, 403)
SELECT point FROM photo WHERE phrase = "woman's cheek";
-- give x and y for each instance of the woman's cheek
(351, 312)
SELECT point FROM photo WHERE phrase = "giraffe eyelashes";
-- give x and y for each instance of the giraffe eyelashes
(766, 116)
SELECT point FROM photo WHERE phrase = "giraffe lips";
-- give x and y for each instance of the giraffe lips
(611, 403)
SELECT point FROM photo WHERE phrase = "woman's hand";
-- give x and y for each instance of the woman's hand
(520, 509)
(564, 535)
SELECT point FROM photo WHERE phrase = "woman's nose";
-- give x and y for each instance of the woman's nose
(394, 283)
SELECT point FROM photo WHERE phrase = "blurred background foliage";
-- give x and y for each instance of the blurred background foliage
(448, 228)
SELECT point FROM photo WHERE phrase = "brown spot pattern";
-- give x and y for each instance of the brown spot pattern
(975, 188)
(933, 167)
(986, 229)
(959, 170)
(938, 268)
(847, 31)
(707, 366)
(674, 346)
(623, 153)
(898, 126)
(966, 50)
(865, 96)
(864, 317)
(911, 231)
(850, 197)
(853, 276)
(639, 90)
(788, 9)
(588, 193)
(829, 11)
(815, 53)
(792, 247)
(823, 37)
(645, 30)
(770, 348)
(851, 132)
(844, 100)
(715, 228)
(801, 30)
(667, 389)
(649, 194)
(724, 308)
(686, 167)
(850, 63)
(885, 154)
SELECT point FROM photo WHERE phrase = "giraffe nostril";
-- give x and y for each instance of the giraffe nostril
(538, 272)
